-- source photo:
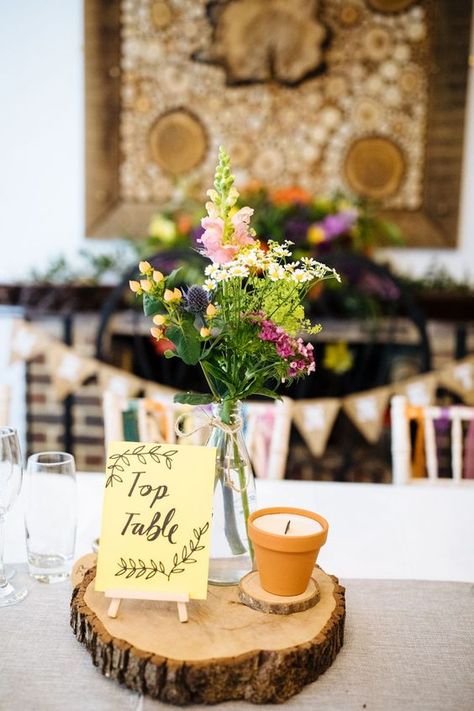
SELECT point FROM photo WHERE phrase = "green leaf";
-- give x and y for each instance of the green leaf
(220, 383)
(187, 342)
(169, 354)
(171, 280)
(193, 398)
(267, 393)
(152, 305)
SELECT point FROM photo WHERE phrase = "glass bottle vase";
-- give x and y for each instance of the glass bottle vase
(234, 498)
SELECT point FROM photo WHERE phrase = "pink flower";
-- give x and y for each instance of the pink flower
(287, 347)
(213, 237)
(241, 224)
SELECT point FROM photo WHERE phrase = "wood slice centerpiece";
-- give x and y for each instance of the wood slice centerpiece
(253, 595)
(226, 650)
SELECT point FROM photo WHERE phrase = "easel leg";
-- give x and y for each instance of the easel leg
(114, 607)
(182, 611)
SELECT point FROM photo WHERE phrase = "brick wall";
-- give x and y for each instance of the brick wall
(45, 427)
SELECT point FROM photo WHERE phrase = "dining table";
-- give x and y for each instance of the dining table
(405, 555)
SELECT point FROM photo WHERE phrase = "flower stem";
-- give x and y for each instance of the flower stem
(230, 523)
(243, 493)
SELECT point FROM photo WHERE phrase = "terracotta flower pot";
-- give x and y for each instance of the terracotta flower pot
(285, 562)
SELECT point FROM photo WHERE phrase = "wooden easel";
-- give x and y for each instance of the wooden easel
(117, 595)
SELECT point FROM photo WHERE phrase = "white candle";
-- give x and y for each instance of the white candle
(277, 523)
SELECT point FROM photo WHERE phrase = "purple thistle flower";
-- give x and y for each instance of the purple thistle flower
(197, 299)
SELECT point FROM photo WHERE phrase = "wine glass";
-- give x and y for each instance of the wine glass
(11, 473)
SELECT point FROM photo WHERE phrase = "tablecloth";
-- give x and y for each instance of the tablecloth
(409, 645)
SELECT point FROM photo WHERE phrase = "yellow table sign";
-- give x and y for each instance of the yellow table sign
(156, 518)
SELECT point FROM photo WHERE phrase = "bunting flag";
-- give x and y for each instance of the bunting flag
(67, 369)
(420, 390)
(366, 410)
(459, 377)
(315, 419)
(119, 382)
(27, 342)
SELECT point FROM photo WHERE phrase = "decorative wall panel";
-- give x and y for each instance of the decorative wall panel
(365, 96)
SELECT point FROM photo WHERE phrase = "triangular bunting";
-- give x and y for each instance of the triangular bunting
(419, 391)
(314, 419)
(367, 410)
(459, 377)
(26, 342)
(67, 369)
(119, 382)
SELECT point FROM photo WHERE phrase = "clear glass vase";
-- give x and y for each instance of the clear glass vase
(234, 498)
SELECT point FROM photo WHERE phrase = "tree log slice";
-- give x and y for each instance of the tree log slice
(81, 566)
(178, 141)
(257, 41)
(253, 595)
(226, 651)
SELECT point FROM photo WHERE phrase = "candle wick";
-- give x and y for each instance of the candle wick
(287, 527)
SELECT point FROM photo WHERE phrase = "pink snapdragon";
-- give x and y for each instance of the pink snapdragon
(216, 248)
(299, 355)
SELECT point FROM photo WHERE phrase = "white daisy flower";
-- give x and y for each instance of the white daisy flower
(221, 275)
(275, 272)
(250, 259)
(211, 270)
(319, 270)
(209, 285)
(279, 250)
(238, 270)
(300, 276)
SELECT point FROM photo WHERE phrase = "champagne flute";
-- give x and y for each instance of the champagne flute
(11, 473)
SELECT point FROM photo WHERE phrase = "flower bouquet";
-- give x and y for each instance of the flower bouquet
(242, 324)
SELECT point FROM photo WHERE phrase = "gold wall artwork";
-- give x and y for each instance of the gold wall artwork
(366, 96)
